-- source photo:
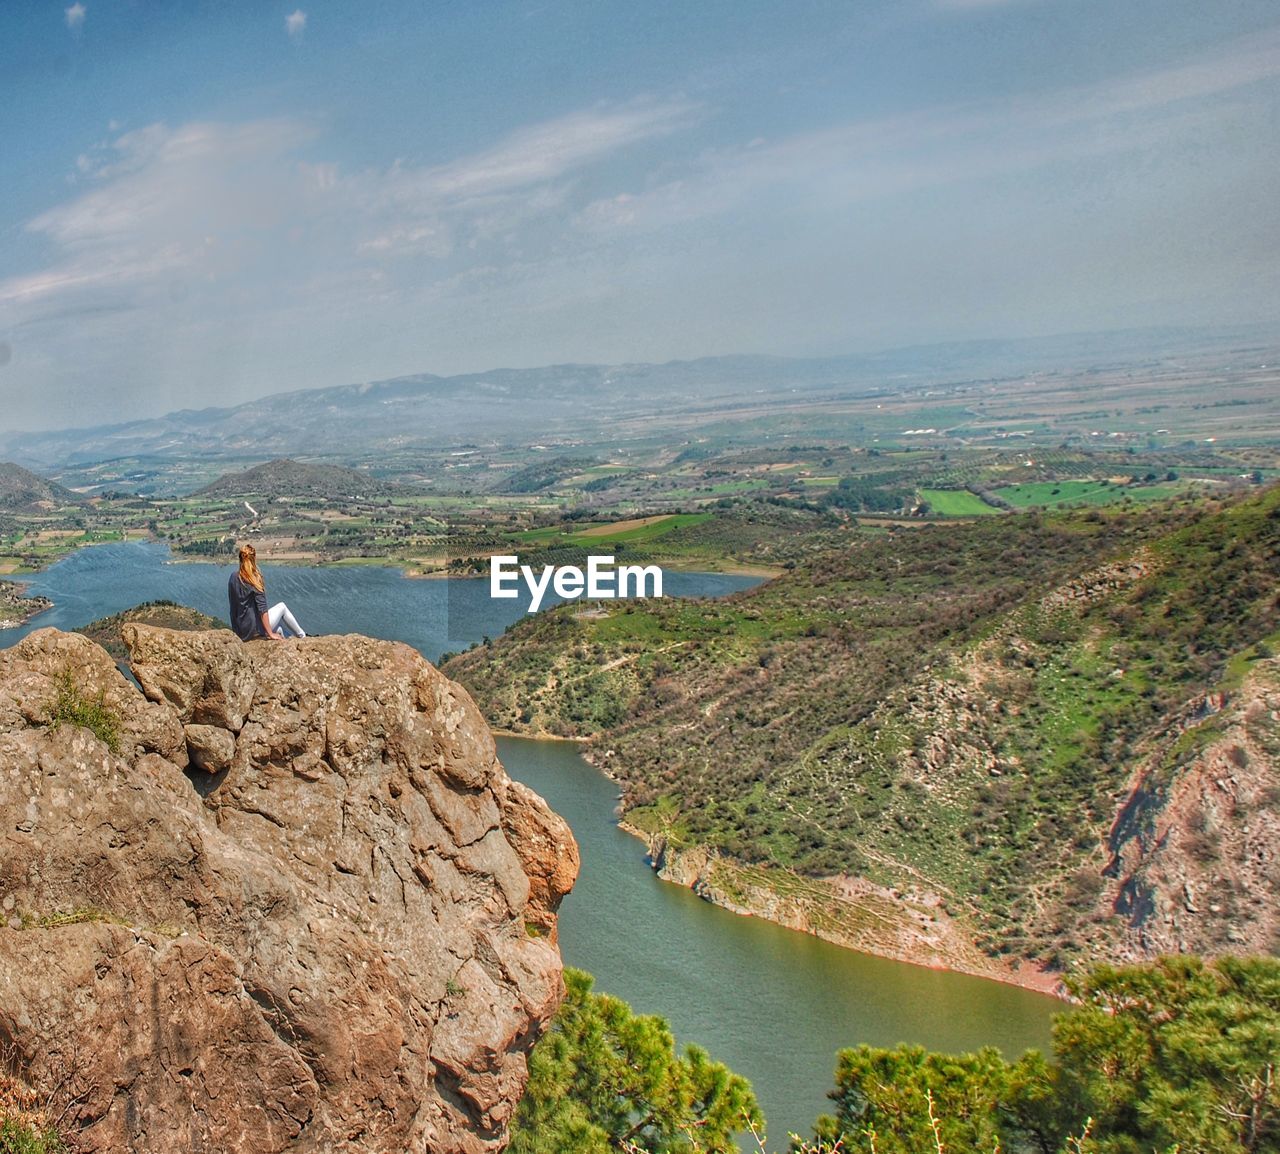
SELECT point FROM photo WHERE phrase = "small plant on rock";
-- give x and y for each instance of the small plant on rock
(74, 707)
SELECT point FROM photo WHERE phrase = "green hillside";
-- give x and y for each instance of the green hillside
(962, 712)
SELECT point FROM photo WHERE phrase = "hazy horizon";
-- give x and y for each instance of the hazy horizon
(1223, 333)
(216, 205)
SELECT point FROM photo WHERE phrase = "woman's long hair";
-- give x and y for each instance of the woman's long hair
(249, 572)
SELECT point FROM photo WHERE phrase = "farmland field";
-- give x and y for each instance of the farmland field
(956, 503)
(1046, 493)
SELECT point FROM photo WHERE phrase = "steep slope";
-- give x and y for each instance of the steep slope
(336, 931)
(1193, 859)
(948, 723)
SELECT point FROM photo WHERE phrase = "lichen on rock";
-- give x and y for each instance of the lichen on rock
(303, 908)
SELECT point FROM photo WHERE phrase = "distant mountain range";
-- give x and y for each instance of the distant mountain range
(526, 405)
(503, 405)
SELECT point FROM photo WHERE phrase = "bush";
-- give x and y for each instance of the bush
(17, 1137)
(25, 1126)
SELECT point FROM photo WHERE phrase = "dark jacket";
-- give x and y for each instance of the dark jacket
(247, 608)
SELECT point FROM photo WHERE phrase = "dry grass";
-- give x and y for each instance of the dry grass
(32, 1121)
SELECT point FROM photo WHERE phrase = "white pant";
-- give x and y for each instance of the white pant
(280, 612)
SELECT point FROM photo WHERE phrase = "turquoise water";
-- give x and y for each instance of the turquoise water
(775, 1005)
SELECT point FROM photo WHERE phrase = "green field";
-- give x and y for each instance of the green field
(1048, 493)
(956, 503)
(592, 535)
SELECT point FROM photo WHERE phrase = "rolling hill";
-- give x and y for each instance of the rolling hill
(286, 478)
(22, 491)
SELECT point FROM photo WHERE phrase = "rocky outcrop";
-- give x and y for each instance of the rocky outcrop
(17, 607)
(300, 906)
(1195, 848)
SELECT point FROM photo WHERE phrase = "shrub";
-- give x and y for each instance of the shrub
(75, 708)
(19, 1137)
(606, 1079)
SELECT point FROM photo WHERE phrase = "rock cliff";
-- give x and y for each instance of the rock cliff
(299, 905)
(1193, 860)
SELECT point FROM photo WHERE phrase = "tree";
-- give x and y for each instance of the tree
(908, 1100)
(1176, 1053)
(605, 1079)
(1172, 1056)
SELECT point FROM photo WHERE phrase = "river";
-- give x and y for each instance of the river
(773, 1004)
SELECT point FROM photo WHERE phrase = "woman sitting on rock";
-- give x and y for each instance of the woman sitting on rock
(250, 616)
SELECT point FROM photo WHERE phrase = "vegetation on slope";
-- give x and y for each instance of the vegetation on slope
(286, 478)
(74, 707)
(956, 708)
(21, 489)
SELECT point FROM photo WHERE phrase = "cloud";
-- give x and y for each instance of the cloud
(478, 199)
(185, 246)
(162, 201)
(865, 160)
(75, 16)
(405, 241)
(166, 200)
(548, 151)
(295, 23)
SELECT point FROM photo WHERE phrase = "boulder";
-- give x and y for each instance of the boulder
(343, 939)
(210, 747)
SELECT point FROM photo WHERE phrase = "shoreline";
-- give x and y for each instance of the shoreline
(704, 871)
(907, 928)
(409, 567)
(537, 736)
(16, 608)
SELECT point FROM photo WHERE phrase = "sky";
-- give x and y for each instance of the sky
(206, 201)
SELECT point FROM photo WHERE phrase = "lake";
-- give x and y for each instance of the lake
(434, 616)
(773, 1004)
